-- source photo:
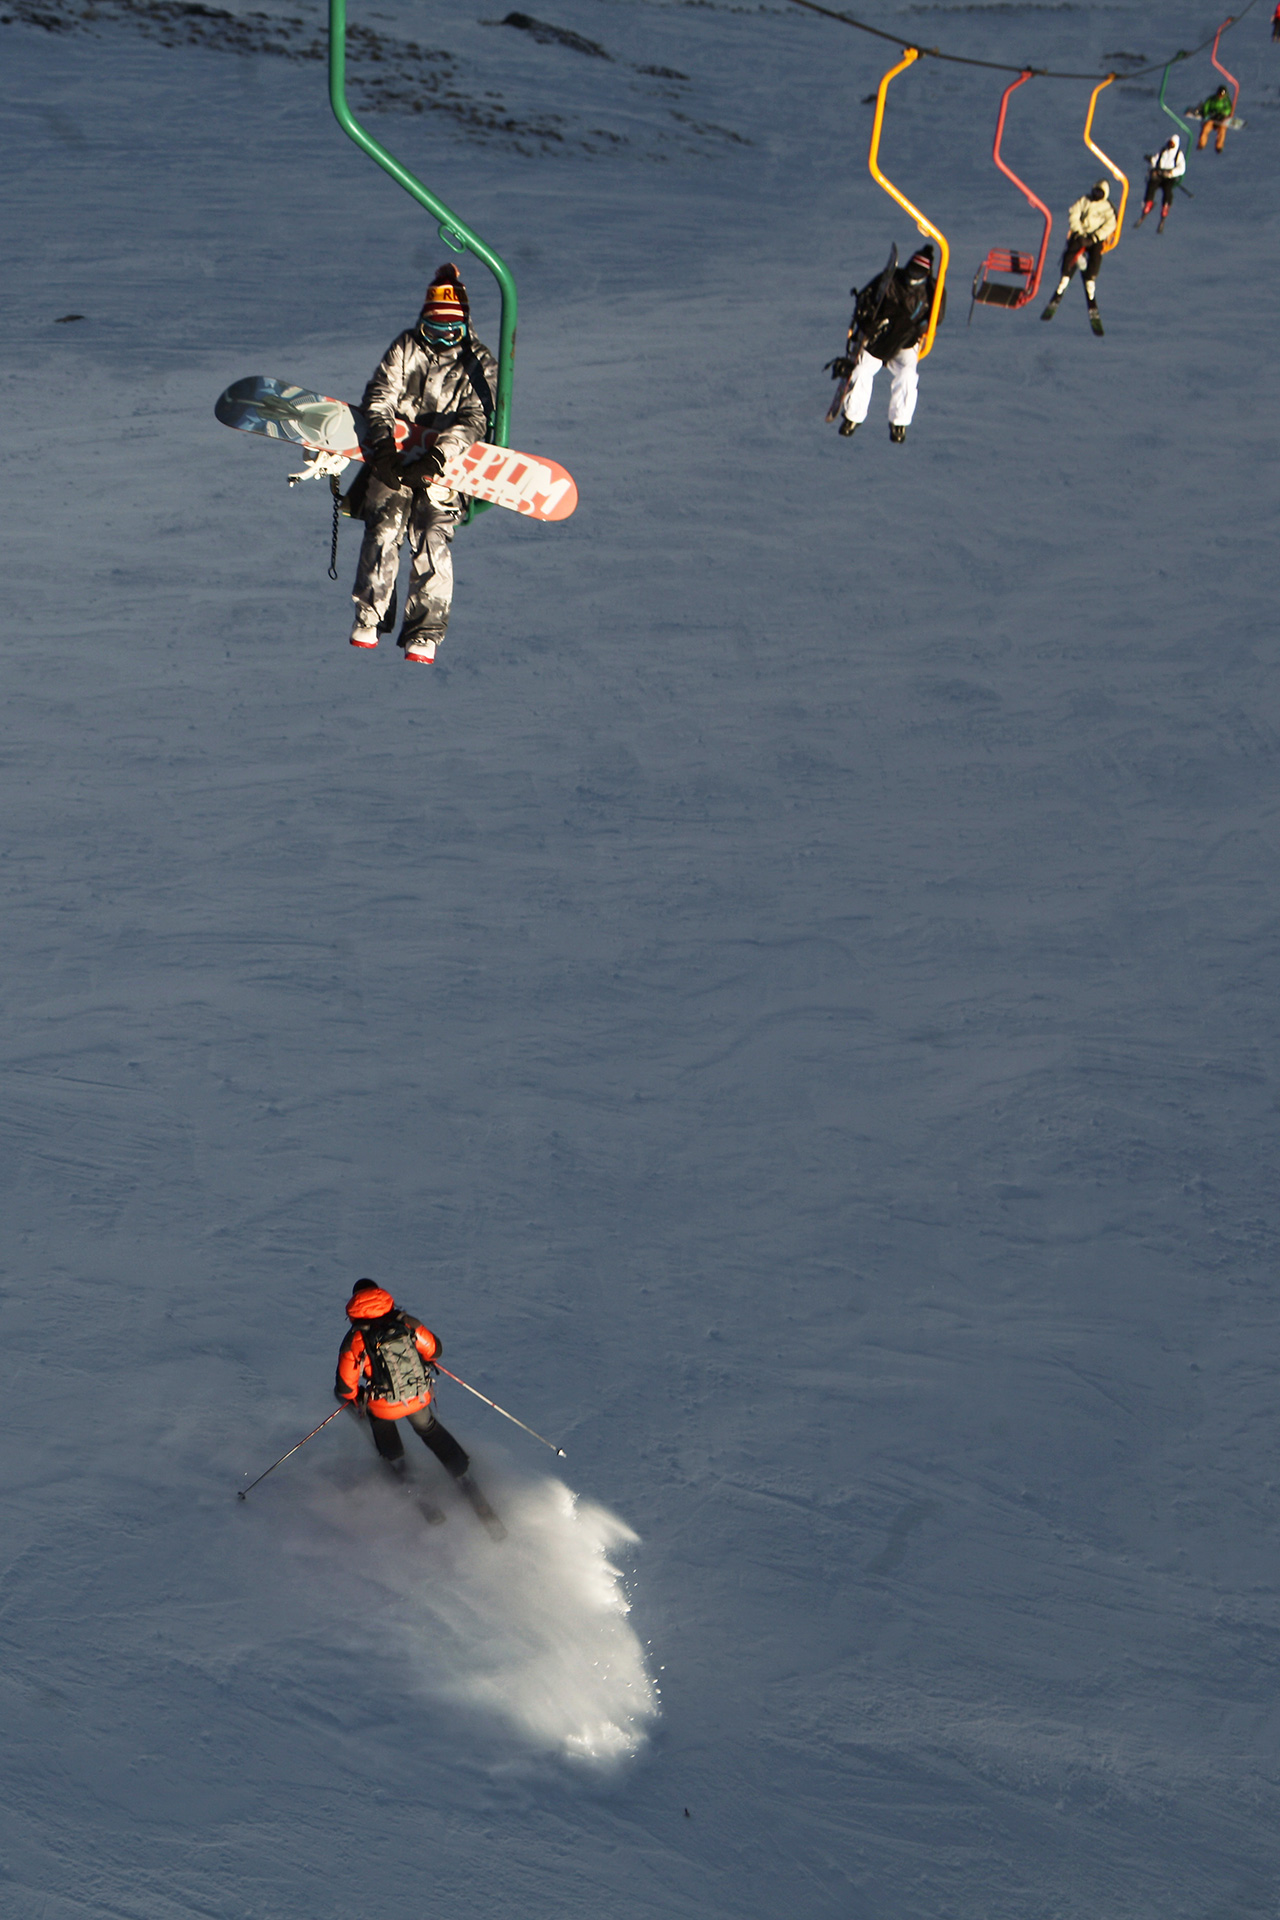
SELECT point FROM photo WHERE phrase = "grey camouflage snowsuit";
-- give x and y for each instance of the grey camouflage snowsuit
(450, 392)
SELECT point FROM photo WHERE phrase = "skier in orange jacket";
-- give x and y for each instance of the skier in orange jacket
(384, 1370)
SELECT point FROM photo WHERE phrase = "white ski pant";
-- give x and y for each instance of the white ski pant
(902, 392)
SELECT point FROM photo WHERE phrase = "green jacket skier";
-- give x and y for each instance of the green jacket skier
(1215, 115)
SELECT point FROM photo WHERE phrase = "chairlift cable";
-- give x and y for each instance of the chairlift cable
(1000, 66)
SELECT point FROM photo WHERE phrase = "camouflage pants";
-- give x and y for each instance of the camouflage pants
(392, 515)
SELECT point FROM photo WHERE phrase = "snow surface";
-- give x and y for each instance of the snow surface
(790, 998)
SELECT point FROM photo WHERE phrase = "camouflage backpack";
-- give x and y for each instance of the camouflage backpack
(397, 1370)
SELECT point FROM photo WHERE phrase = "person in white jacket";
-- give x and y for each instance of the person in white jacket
(1164, 170)
(1091, 221)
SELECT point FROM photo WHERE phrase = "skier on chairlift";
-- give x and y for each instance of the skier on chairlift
(385, 1372)
(1215, 115)
(890, 327)
(437, 376)
(1164, 170)
(1091, 221)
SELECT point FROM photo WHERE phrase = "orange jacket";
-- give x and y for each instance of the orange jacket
(355, 1374)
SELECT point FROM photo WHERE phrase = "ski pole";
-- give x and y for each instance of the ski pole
(1181, 189)
(489, 1403)
(242, 1493)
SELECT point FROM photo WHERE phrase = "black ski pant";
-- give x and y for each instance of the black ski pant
(1080, 252)
(1159, 183)
(386, 1438)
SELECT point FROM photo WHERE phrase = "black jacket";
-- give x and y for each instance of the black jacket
(903, 320)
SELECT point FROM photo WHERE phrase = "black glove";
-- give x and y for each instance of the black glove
(841, 368)
(384, 463)
(423, 468)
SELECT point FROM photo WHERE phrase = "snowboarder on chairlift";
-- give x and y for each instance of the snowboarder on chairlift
(437, 376)
(1164, 170)
(891, 327)
(1215, 116)
(1091, 221)
(385, 1371)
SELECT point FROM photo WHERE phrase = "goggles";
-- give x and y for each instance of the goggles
(444, 333)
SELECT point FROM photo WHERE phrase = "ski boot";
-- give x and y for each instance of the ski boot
(847, 427)
(1052, 307)
(897, 435)
(1095, 318)
(420, 644)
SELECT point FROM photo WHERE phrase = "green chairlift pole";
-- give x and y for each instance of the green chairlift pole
(455, 233)
(1176, 118)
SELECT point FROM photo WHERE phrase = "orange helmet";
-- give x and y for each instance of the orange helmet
(369, 1301)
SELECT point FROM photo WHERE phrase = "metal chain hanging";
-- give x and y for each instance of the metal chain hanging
(336, 491)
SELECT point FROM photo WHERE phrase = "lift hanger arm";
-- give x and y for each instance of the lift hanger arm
(1110, 165)
(455, 233)
(1235, 84)
(910, 55)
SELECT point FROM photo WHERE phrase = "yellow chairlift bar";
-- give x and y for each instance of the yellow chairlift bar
(925, 226)
(1110, 165)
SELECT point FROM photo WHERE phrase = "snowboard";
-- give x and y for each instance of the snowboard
(881, 287)
(1234, 124)
(278, 410)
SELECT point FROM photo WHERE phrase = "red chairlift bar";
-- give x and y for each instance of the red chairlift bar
(994, 293)
(1235, 101)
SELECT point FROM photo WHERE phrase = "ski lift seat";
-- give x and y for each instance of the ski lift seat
(995, 293)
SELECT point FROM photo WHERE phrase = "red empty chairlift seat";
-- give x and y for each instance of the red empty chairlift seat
(1028, 266)
(995, 293)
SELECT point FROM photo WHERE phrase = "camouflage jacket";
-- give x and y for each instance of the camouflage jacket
(450, 393)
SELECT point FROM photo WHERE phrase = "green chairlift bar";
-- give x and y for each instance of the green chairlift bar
(1164, 106)
(455, 233)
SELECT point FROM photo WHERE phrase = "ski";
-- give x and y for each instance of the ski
(398, 1472)
(855, 342)
(1095, 321)
(334, 434)
(481, 1508)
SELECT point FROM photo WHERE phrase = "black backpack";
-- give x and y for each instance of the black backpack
(397, 1370)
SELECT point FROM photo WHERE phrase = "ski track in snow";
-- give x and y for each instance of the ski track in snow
(789, 998)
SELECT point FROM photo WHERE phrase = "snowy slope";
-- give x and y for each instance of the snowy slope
(789, 998)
